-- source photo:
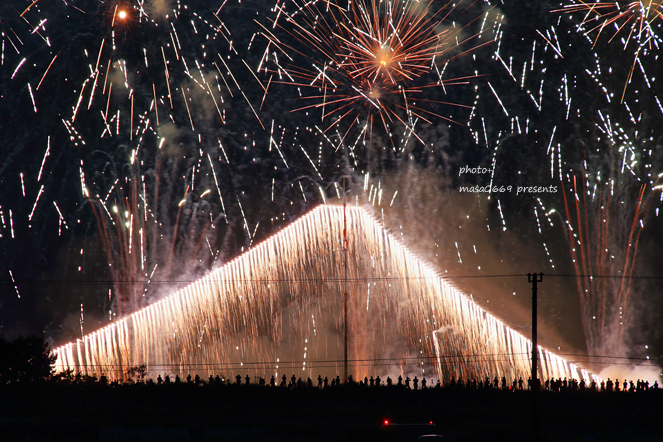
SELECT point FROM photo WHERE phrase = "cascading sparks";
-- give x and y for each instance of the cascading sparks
(278, 309)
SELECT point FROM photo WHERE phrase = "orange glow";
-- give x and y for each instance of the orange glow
(121, 15)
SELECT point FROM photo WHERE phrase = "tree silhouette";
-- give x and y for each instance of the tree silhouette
(26, 359)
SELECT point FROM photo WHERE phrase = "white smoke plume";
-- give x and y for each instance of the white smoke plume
(645, 372)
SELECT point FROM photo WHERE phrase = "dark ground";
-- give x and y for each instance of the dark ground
(253, 413)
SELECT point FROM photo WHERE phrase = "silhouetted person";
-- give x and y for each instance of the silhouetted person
(338, 381)
(325, 381)
(238, 379)
(177, 379)
(247, 379)
(625, 386)
(655, 386)
(496, 383)
(309, 383)
(377, 381)
(400, 381)
(388, 381)
(503, 383)
(372, 381)
(211, 380)
(520, 383)
(272, 381)
(188, 379)
(167, 380)
(608, 385)
(284, 381)
(423, 384)
(197, 380)
(415, 381)
(407, 381)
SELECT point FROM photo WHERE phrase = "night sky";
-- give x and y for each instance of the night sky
(138, 152)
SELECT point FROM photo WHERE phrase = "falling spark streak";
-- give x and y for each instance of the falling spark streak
(246, 224)
(94, 87)
(28, 8)
(186, 102)
(156, 103)
(218, 189)
(43, 161)
(60, 214)
(498, 99)
(41, 190)
(32, 97)
(551, 45)
(241, 91)
(18, 67)
(15, 286)
(310, 161)
(211, 93)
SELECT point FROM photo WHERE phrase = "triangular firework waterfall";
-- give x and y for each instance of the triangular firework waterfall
(278, 309)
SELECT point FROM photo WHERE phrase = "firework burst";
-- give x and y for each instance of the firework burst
(637, 19)
(638, 23)
(371, 61)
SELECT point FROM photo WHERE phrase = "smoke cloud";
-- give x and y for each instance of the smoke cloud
(645, 372)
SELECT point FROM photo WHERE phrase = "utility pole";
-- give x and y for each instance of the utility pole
(345, 288)
(534, 278)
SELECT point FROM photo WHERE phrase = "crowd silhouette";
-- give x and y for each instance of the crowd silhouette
(28, 360)
(138, 376)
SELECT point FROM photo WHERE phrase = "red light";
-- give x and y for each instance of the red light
(386, 422)
(431, 422)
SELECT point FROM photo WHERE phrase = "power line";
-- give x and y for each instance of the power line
(310, 280)
(495, 357)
